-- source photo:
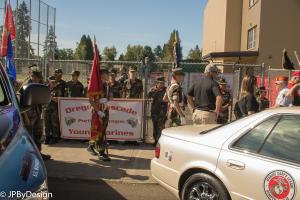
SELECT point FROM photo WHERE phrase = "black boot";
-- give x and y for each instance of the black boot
(45, 157)
(104, 157)
(92, 150)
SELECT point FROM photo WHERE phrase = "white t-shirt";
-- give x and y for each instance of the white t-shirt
(282, 100)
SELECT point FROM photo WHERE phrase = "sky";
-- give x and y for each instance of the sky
(123, 22)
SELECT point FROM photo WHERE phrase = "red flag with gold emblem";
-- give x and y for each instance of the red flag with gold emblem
(95, 91)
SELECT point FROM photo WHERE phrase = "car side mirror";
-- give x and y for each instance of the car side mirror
(34, 94)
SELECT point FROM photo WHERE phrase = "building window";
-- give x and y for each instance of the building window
(252, 34)
(252, 3)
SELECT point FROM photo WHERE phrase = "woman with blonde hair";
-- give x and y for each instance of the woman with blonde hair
(247, 103)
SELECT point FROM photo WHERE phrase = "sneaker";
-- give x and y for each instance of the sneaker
(45, 157)
(104, 157)
(92, 151)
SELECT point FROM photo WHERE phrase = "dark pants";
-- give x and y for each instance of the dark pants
(158, 126)
(52, 125)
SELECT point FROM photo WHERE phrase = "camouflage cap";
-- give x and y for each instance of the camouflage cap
(132, 69)
(161, 79)
(58, 71)
(178, 71)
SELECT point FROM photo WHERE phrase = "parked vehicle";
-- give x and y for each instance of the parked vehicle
(256, 157)
(22, 171)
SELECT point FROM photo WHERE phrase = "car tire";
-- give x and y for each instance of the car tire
(203, 186)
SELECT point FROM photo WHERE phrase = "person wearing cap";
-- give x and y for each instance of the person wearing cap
(174, 95)
(132, 87)
(262, 100)
(282, 100)
(158, 107)
(205, 97)
(114, 85)
(123, 75)
(75, 87)
(227, 101)
(97, 147)
(294, 92)
(52, 124)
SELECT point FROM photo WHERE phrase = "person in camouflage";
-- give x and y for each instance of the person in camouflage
(158, 107)
(75, 87)
(133, 87)
(115, 86)
(52, 125)
(98, 146)
(123, 75)
(262, 100)
(174, 95)
(227, 102)
(33, 118)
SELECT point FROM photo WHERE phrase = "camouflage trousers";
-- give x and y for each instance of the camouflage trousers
(173, 117)
(35, 130)
(52, 127)
(99, 143)
(159, 122)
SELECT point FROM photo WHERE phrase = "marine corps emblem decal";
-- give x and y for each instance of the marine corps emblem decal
(280, 185)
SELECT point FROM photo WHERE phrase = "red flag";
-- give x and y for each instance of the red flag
(95, 87)
(8, 28)
(95, 91)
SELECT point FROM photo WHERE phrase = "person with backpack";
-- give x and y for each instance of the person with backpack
(247, 103)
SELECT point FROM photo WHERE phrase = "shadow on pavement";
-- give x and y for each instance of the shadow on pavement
(75, 189)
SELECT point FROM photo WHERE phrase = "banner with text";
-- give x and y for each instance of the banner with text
(125, 119)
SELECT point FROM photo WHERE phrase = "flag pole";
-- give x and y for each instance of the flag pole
(296, 54)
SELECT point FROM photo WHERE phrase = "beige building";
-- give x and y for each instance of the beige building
(251, 31)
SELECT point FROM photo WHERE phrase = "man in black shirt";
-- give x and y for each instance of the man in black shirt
(75, 87)
(115, 86)
(205, 97)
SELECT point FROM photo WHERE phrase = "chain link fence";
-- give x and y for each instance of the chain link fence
(35, 28)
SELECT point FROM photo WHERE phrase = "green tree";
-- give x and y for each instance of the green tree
(134, 53)
(168, 48)
(84, 49)
(65, 54)
(195, 54)
(158, 52)
(109, 53)
(147, 52)
(23, 30)
(50, 45)
(121, 57)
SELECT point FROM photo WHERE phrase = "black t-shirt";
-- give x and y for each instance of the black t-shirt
(205, 92)
(249, 104)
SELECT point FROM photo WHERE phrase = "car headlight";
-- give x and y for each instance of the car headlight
(41, 193)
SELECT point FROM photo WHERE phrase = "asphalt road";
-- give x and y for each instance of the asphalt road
(92, 190)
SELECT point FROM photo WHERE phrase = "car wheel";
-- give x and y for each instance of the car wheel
(203, 187)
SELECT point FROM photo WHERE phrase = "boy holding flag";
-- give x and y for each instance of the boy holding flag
(98, 93)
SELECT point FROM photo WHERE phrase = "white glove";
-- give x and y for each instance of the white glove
(101, 114)
(182, 121)
(103, 100)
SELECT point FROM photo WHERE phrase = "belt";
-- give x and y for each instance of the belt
(205, 110)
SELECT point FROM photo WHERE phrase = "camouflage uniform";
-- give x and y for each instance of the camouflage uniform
(75, 89)
(35, 125)
(115, 89)
(225, 113)
(158, 111)
(132, 90)
(123, 78)
(175, 94)
(52, 124)
(99, 143)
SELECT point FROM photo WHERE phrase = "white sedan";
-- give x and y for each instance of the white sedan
(257, 158)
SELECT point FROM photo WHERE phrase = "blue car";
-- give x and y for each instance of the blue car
(22, 171)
